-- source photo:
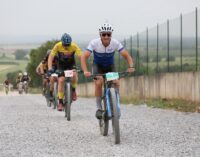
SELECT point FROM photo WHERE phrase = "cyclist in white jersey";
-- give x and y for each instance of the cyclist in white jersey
(104, 49)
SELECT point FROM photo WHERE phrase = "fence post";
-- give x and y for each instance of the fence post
(157, 49)
(119, 61)
(131, 46)
(147, 40)
(168, 45)
(181, 41)
(196, 39)
(125, 46)
(138, 58)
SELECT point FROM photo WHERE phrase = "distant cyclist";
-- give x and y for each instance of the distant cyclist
(66, 51)
(6, 82)
(6, 85)
(25, 80)
(42, 70)
(104, 49)
(25, 77)
(18, 78)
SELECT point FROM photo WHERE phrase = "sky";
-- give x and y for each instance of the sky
(36, 18)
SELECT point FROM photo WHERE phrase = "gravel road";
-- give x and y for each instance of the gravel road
(28, 128)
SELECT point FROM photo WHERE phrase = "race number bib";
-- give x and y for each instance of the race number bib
(112, 76)
(68, 73)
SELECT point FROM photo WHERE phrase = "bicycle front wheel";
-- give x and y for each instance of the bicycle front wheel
(68, 99)
(115, 117)
(104, 123)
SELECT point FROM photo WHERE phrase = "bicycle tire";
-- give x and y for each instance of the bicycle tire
(115, 117)
(104, 123)
(55, 102)
(68, 99)
(47, 95)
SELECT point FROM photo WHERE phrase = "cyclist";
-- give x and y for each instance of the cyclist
(54, 67)
(6, 84)
(104, 49)
(18, 78)
(65, 51)
(42, 70)
(25, 77)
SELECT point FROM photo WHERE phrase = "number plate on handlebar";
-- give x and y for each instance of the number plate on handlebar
(69, 73)
(112, 76)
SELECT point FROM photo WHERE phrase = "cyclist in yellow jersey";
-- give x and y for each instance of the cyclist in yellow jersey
(65, 50)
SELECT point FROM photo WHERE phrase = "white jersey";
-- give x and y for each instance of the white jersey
(104, 56)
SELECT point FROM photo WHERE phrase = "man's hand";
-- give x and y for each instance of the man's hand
(50, 71)
(87, 73)
(131, 69)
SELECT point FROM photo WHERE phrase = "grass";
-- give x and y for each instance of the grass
(174, 104)
(6, 68)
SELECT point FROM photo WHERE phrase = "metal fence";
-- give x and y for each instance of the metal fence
(172, 46)
(169, 47)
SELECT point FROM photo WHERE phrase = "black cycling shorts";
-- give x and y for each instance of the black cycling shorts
(98, 69)
(61, 69)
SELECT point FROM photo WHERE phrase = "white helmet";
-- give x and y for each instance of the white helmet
(25, 73)
(106, 27)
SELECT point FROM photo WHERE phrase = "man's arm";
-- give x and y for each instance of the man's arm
(50, 61)
(129, 60)
(41, 67)
(84, 59)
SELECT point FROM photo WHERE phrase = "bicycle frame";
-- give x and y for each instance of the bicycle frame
(107, 86)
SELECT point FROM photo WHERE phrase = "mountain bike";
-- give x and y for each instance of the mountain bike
(25, 87)
(110, 104)
(67, 101)
(47, 90)
(20, 87)
(55, 90)
(51, 101)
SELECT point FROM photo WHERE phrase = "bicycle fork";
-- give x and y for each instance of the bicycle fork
(109, 112)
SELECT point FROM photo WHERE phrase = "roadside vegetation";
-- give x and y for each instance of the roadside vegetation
(173, 104)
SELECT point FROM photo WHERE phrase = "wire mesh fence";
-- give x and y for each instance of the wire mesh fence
(169, 47)
(172, 46)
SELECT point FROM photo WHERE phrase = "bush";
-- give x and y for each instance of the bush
(171, 58)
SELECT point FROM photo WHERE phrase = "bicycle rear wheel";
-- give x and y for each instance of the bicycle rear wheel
(115, 113)
(104, 123)
(68, 99)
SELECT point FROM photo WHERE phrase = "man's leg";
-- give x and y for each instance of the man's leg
(98, 94)
(61, 92)
(51, 87)
(74, 85)
(44, 84)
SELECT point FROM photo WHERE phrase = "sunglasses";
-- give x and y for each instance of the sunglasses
(106, 34)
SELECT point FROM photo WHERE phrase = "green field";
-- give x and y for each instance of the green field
(10, 65)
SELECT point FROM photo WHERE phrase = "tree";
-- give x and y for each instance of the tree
(20, 54)
(36, 56)
(12, 77)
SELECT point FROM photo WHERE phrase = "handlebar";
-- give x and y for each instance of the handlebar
(121, 74)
